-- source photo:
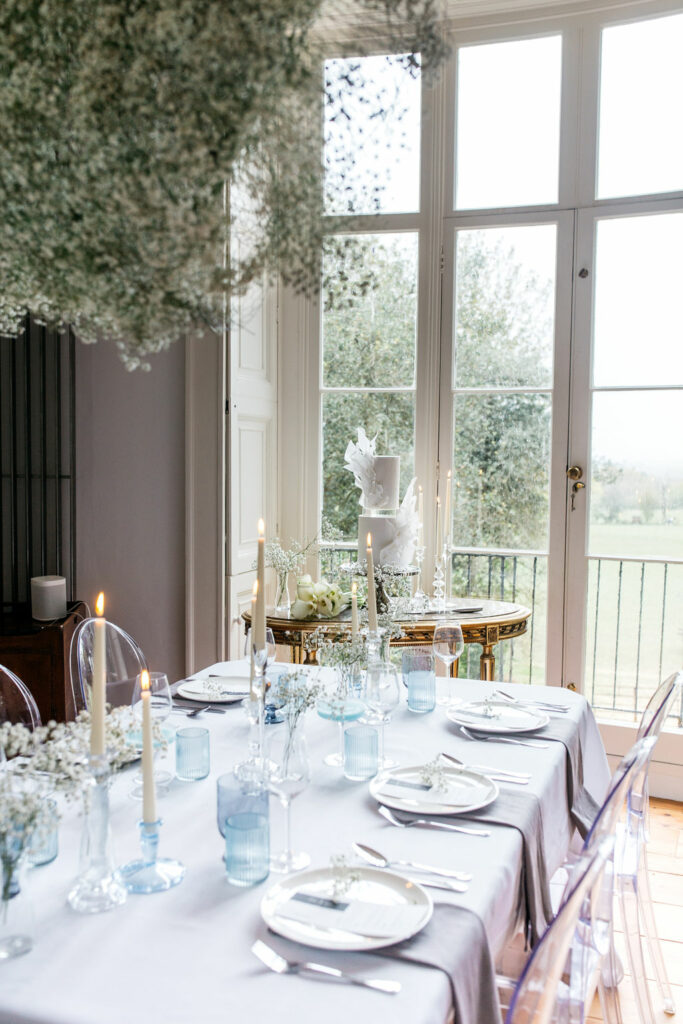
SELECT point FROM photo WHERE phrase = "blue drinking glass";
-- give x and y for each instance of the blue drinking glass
(243, 821)
(361, 752)
(192, 753)
(418, 675)
(44, 845)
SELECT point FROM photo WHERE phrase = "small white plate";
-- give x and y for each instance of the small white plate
(371, 886)
(237, 688)
(506, 718)
(465, 609)
(467, 790)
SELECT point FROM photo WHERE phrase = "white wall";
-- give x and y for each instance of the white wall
(130, 495)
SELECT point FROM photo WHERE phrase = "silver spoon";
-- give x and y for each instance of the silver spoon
(429, 823)
(380, 861)
(500, 739)
(500, 775)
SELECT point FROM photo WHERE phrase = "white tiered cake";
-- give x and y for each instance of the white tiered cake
(393, 528)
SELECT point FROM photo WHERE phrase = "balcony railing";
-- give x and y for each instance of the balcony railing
(634, 634)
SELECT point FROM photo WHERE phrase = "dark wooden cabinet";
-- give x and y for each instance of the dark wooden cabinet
(38, 652)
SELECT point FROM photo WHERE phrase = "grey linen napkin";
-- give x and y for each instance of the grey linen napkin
(455, 942)
(582, 806)
(523, 812)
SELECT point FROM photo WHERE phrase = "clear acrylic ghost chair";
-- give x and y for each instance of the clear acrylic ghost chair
(16, 701)
(125, 661)
(543, 994)
(632, 877)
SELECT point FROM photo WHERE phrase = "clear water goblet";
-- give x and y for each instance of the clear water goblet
(448, 644)
(160, 705)
(289, 775)
(382, 696)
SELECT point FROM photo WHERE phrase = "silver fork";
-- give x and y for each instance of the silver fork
(429, 823)
(499, 774)
(280, 965)
(500, 739)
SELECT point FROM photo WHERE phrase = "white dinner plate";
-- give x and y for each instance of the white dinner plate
(464, 609)
(506, 717)
(406, 905)
(404, 790)
(204, 690)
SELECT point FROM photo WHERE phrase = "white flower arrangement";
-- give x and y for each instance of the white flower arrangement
(323, 599)
(116, 153)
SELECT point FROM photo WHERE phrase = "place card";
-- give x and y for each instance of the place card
(376, 920)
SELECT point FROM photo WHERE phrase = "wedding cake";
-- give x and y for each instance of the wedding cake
(393, 527)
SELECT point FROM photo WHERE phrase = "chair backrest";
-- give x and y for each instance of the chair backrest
(536, 994)
(16, 701)
(659, 705)
(629, 769)
(125, 661)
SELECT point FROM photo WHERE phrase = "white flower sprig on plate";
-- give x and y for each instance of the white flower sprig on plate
(434, 774)
(343, 876)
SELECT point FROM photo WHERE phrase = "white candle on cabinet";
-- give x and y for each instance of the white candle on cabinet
(98, 696)
(149, 799)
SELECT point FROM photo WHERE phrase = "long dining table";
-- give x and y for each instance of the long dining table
(185, 955)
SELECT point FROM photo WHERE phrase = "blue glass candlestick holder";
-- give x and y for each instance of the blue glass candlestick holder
(151, 873)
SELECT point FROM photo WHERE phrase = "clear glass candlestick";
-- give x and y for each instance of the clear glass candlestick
(418, 602)
(151, 873)
(98, 886)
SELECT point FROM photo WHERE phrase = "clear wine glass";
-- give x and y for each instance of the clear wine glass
(382, 695)
(448, 644)
(160, 705)
(289, 775)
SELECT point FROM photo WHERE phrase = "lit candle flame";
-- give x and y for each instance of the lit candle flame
(449, 474)
(254, 589)
(99, 604)
(261, 528)
(369, 540)
(354, 587)
(419, 487)
(144, 680)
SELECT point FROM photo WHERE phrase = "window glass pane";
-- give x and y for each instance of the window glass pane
(372, 135)
(392, 418)
(638, 334)
(369, 341)
(522, 580)
(641, 87)
(508, 123)
(505, 306)
(501, 469)
(636, 493)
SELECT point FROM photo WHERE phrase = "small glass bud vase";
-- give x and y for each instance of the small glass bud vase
(16, 910)
(282, 601)
(98, 886)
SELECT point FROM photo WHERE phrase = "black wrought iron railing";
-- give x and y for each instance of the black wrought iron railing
(634, 629)
(37, 453)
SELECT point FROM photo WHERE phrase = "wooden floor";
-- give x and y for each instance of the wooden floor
(665, 857)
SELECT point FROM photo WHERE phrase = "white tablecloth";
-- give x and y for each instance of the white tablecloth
(184, 956)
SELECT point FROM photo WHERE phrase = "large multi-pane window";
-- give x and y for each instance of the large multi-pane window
(523, 318)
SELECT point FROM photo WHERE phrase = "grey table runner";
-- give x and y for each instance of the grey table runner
(455, 942)
(582, 807)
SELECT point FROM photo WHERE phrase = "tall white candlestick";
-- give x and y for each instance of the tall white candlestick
(372, 597)
(354, 610)
(258, 626)
(447, 510)
(98, 697)
(149, 798)
(421, 515)
(252, 667)
(439, 530)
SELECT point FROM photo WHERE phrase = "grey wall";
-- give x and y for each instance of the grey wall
(130, 497)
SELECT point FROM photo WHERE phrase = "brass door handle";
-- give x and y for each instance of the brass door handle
(575, 472)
